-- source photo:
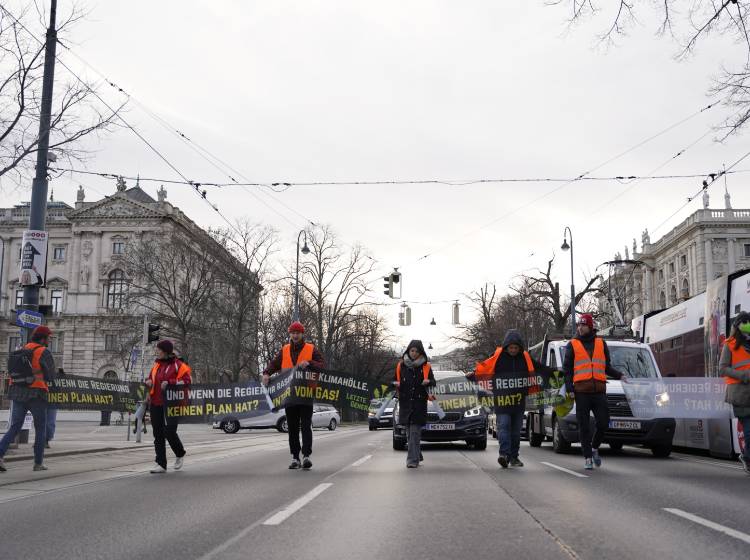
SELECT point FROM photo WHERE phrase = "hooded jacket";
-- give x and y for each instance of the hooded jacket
(412, 394)
(510, 380)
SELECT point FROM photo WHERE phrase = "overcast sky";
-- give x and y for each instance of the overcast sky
(391, 90)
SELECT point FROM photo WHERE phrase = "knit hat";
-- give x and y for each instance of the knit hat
(165, 346)
(41, 332)
(296, 327)
(586, 319)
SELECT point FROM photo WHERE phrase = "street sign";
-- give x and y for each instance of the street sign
(33, 258)
(28, 319)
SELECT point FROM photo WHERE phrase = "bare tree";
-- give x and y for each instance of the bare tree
(76, 111)
(541, 293)
(688, 22)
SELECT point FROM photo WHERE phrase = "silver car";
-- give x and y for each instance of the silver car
(324, 416)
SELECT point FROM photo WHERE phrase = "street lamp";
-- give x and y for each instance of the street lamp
(565, 247)
(305, 251)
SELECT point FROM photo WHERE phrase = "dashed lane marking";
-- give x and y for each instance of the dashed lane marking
(281, 516)
(739, 535)
(563, 469)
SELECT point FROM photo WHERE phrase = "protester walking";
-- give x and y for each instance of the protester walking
(300, 354)
(167, 371)
(31, 369)
(413, 378)
(511, 374)
(587, 366)
(734, 365)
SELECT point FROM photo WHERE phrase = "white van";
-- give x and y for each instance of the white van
(628, 356)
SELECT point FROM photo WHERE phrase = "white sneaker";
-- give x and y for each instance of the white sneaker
(158, 469)
(178, 463)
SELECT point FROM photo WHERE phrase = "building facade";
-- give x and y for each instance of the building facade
(708, 244)
(86, 281)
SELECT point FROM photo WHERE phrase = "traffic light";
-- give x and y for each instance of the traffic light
(152, 333)
(388, 285)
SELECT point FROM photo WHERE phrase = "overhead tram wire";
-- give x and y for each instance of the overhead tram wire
(196, 185)
(706, 184)
(204, 153)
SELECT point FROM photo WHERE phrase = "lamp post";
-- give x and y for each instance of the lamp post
(305, 251)
(565, 247)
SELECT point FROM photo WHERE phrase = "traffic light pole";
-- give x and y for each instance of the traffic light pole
(40, 184)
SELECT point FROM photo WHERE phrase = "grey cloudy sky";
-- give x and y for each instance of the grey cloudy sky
(354, 90)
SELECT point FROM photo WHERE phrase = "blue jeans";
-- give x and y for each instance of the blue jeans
(509, 431)
(38, 410)
(51, 421)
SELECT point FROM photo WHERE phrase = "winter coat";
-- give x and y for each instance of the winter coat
(412, 395)
(737, 394)
(590, 386)
(275, 365)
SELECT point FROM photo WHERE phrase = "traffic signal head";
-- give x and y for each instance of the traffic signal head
(153, 333)
(388, 285)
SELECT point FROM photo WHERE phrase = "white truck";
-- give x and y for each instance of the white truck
(632, 358)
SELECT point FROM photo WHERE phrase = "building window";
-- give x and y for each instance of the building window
(662, 300)
(58, 254)
(118, 248)
(56, 300)
(661, 275)
(685, 289)
(116, 289)
(747, 250)
(110, 343)
(671, 268)
(19, 298)
(673, 294)
(56, 344)
(14, 342)
(683, 261)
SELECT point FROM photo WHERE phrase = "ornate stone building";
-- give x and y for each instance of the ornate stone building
(86, 282)
(708, 244)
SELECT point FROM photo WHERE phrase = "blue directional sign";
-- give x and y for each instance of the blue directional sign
(28, 319)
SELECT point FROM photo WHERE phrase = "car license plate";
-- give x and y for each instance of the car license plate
(624, 425)
(441, 427)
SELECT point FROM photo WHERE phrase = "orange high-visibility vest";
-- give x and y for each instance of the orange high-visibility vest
(305, 355)
(740, 360)
(487, 367)
(183, 370)
(36, 366)
(587, 367)
(425, 371)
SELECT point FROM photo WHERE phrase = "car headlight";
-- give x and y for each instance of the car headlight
(662, 399)
(371, 414)
(476, 411)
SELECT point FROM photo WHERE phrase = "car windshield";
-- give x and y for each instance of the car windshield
(633, 361)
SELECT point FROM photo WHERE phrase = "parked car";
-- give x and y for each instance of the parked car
(636, 361)
(467, 424)
(324, 416)
(380, 414)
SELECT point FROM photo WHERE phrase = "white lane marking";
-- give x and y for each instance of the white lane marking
(297, 505)
(361, 461)
(744, 537)
(563, 469)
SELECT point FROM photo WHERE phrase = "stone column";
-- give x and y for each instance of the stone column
(647, 295)
(75, 258)
(731, 259)
(708, 257)
(6, 271)
(96, 261)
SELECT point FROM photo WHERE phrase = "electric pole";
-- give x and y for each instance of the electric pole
(38, 210)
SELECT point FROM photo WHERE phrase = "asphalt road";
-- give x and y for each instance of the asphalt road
(238, 500)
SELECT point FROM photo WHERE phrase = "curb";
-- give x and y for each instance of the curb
(72, 452)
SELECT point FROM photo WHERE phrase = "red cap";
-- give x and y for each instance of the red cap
(296, 327)
(586, 319)
(41, 332)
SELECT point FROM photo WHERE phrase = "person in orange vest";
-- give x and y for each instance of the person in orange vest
(510, 374)
(301, 354)
(31, 395)
(168, 370)
(586, 366)
(413, 378)
(734, 365)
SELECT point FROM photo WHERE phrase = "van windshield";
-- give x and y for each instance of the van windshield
(634, 362)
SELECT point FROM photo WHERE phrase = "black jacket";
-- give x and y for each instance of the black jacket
(412, 395)
(568, 366)
(22, 393)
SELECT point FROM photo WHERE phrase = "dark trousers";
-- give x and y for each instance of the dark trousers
(300, 416)
(165, 431)
(586, 403)
(509, 422)
(38, 409)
